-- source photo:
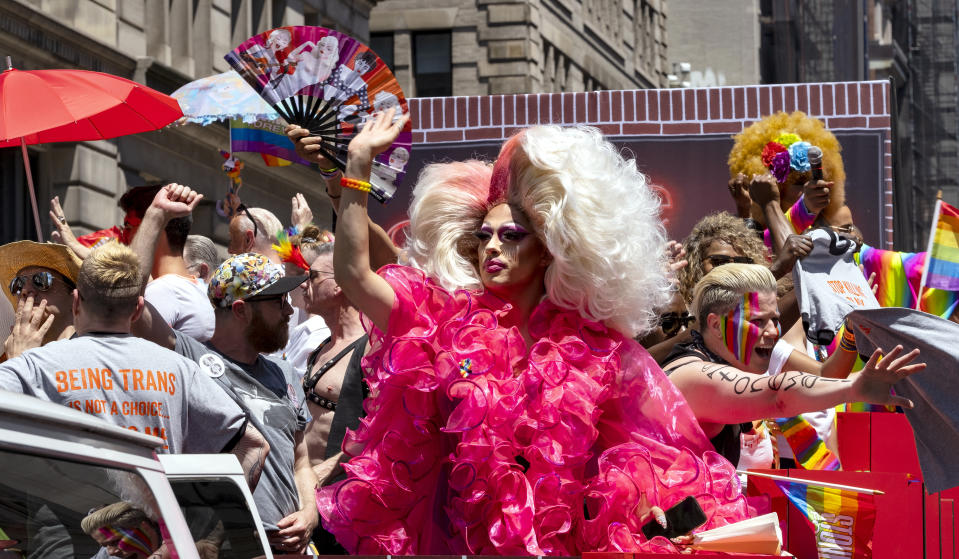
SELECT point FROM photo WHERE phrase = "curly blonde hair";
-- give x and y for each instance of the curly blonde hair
(719, 226)
(594, 211)
(746, 155)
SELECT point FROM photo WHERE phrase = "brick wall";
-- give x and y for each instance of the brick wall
(663, 112)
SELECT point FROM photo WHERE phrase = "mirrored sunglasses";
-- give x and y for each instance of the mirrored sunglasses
(42, 281)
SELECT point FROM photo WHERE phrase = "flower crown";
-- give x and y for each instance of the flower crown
(785, 153)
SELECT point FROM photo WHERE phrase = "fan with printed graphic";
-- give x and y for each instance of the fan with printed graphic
(330, 84)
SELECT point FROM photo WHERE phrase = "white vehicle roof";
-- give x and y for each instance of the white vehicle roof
(20, 412)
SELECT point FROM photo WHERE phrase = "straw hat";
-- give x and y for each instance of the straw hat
(21, 254)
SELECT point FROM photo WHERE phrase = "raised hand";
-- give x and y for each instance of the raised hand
(739, 190)
(308, 147)
(676, 254)
(377, 135)
(31, 325)
(881, 372)
(795, 247)
(62, 232)
(301, 215)
(764, 189)
(816, 195)
(176, 200)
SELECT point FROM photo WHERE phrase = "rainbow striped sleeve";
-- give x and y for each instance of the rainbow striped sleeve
(798, 217)
(810, 450)
(943, 270)
(899, 275)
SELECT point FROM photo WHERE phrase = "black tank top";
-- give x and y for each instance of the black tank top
(727, 442)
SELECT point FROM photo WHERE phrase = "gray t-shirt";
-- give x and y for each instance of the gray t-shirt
(132, 383)
(270, 393)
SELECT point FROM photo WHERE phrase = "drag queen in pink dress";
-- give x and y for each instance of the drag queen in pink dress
(511, 413)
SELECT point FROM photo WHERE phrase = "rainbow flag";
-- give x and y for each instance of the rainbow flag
(843, 520)
(899, 275)
(264, 137)
(942, 270)
(274, 161)
(810, 450)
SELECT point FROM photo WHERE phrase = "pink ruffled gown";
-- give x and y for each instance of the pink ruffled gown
(475, 445)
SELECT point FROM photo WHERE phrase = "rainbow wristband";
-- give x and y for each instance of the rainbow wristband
(329, 173)
(848, 341)
(355, 184)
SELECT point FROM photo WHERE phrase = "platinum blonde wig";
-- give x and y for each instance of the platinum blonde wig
(593, 209)
(449, 204)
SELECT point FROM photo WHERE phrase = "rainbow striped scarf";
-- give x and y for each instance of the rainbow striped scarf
(810, 451)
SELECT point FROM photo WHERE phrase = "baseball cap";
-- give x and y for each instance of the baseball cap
(248, 275)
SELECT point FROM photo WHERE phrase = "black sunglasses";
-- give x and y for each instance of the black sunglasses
(722, 259)
(246, 211)
(41, 280)
(671, 322)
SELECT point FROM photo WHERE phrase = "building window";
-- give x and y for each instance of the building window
(382, 45)
(16, 217)
(432, 64)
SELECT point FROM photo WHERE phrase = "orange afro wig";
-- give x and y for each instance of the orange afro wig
(746, 155)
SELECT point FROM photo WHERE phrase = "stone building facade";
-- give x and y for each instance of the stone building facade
(700, 56)
(163, 44)
(485, 47)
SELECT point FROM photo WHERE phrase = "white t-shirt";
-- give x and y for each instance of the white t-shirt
(757, 450)
(183, 303)
(306, 337)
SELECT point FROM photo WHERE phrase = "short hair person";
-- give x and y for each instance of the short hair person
(254, 230)
(531, 279)
(176, 293)
(129, 381)
(201, 256)
(722, 372)
(249, 296)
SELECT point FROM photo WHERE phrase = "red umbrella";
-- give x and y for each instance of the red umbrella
(42, 106)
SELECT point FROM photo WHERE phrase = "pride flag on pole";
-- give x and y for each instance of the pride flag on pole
(942, 266)
(843, 519)
(266, 138)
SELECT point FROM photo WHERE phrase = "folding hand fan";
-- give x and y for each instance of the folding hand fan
(330, 84)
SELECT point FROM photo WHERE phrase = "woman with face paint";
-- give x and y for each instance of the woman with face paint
(510, 412)
(723, 371)
(124, 531)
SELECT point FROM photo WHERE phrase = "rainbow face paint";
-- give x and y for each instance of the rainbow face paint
(739, 334)
(129, 540)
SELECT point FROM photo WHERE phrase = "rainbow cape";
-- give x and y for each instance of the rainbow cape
(842, 520)
(810, 450)
(899, 275)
